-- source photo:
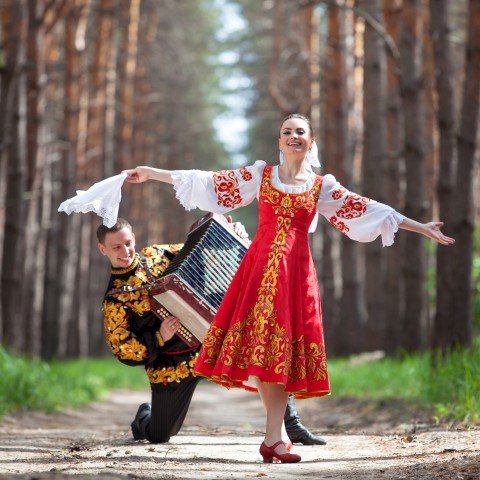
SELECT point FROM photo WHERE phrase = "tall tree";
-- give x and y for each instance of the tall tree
(338, 159)
(444, 328)
(13, 17)
(38, 196)
(393, 188)
(413, 105)
(464, 205)
(373, 167)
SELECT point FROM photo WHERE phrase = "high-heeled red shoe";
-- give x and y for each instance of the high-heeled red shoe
(269, 453)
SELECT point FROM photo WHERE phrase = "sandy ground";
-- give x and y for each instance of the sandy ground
(221, 437)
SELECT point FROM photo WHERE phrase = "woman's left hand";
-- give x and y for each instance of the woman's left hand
(432, 230)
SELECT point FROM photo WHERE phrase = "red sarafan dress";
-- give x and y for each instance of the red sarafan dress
(269, 324)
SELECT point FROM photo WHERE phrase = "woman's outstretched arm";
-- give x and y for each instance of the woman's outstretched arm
(142, 174)
(430, 230)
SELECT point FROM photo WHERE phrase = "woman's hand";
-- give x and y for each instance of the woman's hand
(142, 174)
(169, 327)
(432, 230)
(238, 228)
(138, 175)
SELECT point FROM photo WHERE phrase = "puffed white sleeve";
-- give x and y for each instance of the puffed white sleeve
(358, 217)
(218, 192)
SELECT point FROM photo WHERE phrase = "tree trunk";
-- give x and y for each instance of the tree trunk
(128, 62)
(373, 169)
(96, 149)
(338, 154)
(393, 190)
(444, 327)
(13, 30)
(39, 184)
(414, 126)
(464, 206)
(63, 240)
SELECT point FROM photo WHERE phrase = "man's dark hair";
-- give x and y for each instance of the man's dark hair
(102, 230)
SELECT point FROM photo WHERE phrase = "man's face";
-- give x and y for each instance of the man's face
(119, 247)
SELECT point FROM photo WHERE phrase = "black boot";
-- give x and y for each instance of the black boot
(142, 419)
(295, 430)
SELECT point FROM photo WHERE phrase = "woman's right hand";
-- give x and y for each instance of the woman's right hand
(142, 174)
(138, 174)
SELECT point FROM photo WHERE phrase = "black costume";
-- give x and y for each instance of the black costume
(133, 335)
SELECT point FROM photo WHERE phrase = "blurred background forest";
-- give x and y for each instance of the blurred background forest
(91, 87)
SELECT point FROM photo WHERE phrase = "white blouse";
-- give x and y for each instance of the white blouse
(358, 217)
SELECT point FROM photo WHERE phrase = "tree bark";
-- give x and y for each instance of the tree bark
(13, 29)
(464, 205)
(373, 170)
(443, 329)
(338, 154)
(393, 191)
(414, 126)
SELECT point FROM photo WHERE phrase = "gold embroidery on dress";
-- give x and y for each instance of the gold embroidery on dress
(289, 203)
(245, 343)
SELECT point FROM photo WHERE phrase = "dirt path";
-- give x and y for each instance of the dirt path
(221, 437)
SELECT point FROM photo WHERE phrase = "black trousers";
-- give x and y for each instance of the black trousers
(169, 408)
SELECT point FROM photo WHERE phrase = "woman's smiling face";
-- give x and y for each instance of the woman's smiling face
(295, 137)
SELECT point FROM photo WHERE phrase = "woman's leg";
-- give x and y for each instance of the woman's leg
(285, 437)
(275, 399)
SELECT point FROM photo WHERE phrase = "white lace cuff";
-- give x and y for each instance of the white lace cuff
(103, 198)
(183, 185)
(390, 227)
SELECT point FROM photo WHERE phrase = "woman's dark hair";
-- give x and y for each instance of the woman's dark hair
(102, 230)
(301, 117)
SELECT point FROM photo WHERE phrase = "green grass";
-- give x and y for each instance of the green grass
(38, 385)
(449, 386)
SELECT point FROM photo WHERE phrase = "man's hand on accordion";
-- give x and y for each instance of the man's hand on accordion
(169, 327)
(238, 228)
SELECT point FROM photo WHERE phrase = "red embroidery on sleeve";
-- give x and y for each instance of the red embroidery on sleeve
(338, 194)
(246, 175)
(339, 225)
(354, 206)
(226, 188)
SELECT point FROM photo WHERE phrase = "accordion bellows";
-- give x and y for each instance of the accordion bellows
(194, 284)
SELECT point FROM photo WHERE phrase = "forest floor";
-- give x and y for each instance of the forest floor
(221, 436)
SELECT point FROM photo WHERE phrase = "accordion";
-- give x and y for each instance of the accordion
(194, 283)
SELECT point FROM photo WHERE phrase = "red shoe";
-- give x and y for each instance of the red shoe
(269, 453)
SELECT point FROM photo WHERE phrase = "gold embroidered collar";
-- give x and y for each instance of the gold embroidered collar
(133, 265)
